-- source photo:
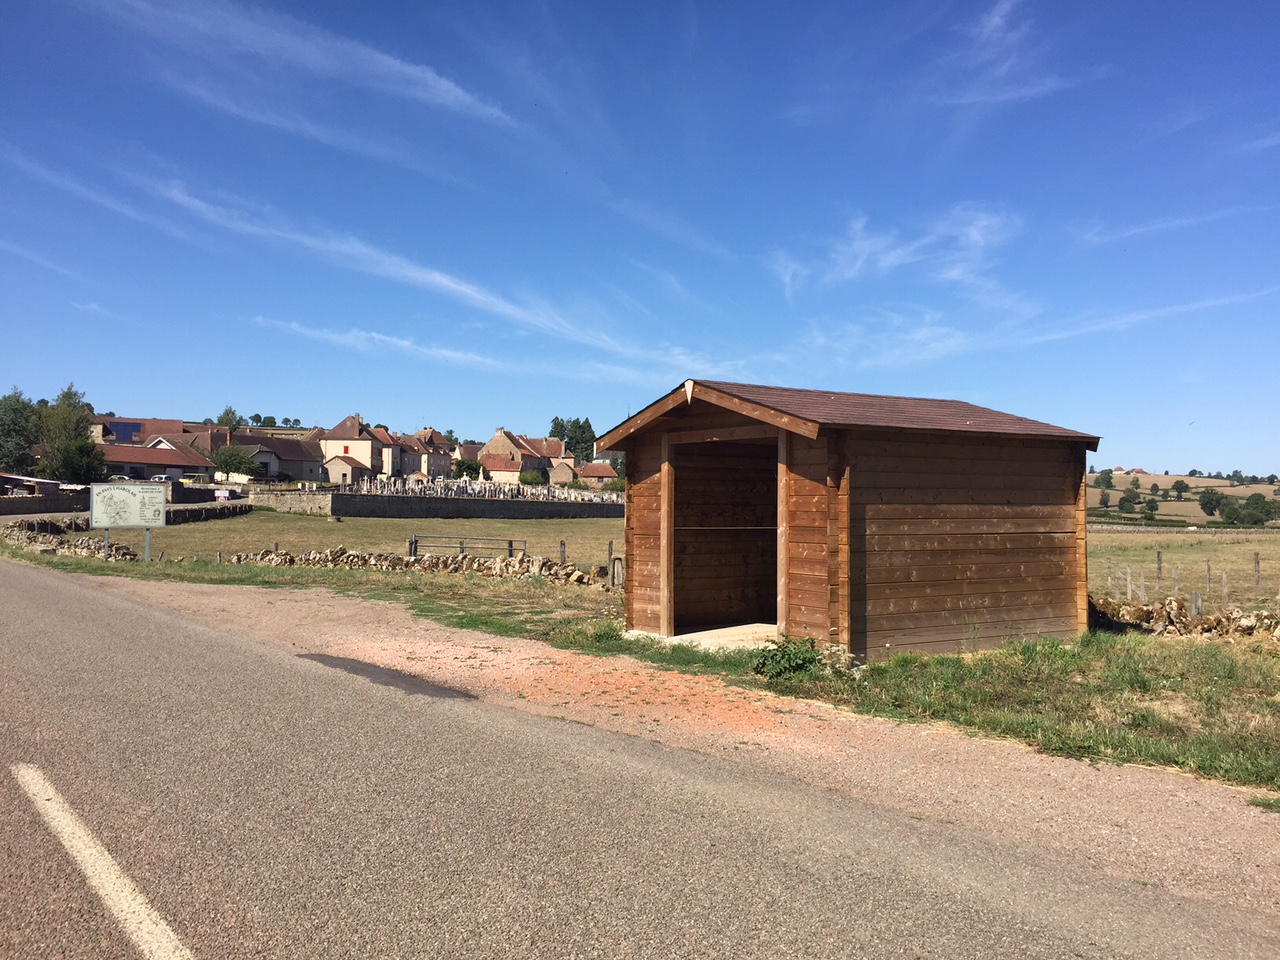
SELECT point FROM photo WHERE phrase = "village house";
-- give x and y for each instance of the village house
(436, 451)
(511, 454)
(138, 462)
(354, 449)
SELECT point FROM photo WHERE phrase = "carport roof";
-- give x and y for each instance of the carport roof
(806, 411)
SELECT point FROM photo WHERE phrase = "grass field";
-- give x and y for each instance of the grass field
(586, 541)
(1197, 560)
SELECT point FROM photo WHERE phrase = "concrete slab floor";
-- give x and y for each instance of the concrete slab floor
(747, 636)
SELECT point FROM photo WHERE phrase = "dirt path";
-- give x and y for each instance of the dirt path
(1151, 826)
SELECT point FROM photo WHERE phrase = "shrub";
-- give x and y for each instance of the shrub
(787, 657)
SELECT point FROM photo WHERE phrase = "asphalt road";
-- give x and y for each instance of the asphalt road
(269, 805)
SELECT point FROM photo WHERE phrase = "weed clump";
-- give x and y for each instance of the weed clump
(788, 657)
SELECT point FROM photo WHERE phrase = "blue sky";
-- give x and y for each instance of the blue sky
(466, 215)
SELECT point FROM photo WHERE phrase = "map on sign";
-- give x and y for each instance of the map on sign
(120, 505)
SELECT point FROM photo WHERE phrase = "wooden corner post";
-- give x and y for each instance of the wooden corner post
(667, 544)
(784, 505)
(1082, 551)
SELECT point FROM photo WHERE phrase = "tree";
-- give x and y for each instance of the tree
(229, 418)
(533, 478)
(1135, 483)
(1211, 501)
(1155, 489)
(233, 459)
(559, 429)
(1194, 473)
(1152, 505)
(1180, 487)
(451, 437)
(256, 419)
(1104, 499)
(18, 433)
(466, 468)
(1104, 480)
(67, 451)
(268, 421)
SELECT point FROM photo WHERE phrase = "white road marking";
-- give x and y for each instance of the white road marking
(146, 928)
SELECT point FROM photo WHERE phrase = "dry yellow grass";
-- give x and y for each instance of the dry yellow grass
(1187, 509)
(586, 541)
(1197, 560)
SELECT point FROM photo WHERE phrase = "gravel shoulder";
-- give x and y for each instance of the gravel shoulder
(1153, 827)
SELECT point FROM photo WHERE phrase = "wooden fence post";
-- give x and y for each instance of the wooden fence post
(1142, 585)
(563, 552)
(1177, 571)
(1128, 581)
(1225, 598)
(1159, 570)
(1257, 573)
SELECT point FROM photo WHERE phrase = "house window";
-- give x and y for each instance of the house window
(345, 450)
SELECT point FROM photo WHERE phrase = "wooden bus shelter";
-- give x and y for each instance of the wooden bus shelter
(878, 524)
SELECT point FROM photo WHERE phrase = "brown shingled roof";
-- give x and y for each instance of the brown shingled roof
(807, 410)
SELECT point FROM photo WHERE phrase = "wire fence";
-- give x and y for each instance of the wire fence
(1224, 581)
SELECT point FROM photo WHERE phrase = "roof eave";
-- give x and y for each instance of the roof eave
(691, 390)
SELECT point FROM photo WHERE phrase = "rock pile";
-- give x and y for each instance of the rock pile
(1173, 617)
(520, 568)
(49, 536)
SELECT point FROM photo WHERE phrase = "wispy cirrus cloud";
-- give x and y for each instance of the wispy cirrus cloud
(357, 254)
(101, 198)
(95, 308)
(219, 31)
(958, 248)
(999, 60)
(886, 338)
(1096, 233)
(673, 228)
(371, 341)
(22, 252)
(1089, 326)
(1268, 141)
(292, 121)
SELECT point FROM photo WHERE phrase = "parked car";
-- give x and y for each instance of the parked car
(160, 478)
(118, 478)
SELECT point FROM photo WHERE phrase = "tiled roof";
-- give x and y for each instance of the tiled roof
(182, 456)
(349, 428)
(469, 451)
(597, 470)
(496, 462)
(349, 461)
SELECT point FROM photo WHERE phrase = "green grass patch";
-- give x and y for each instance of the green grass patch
(1266, 803)
(1210, 708)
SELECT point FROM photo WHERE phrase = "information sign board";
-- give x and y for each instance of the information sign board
(119, 506)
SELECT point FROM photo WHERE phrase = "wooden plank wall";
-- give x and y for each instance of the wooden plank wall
(643, 599)
(725, 520)
(960, 543)
(807, 567)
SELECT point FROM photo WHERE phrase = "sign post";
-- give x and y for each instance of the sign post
(137, 506)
